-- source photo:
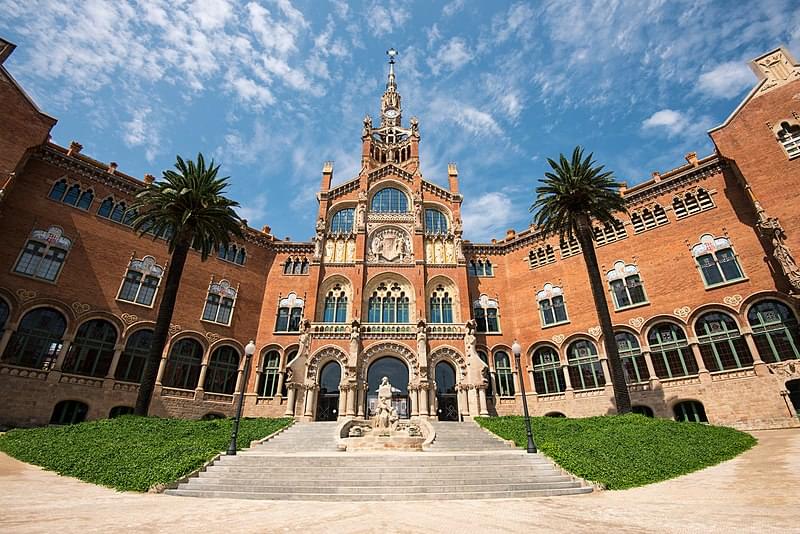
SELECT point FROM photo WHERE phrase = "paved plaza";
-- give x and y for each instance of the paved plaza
(755, 492)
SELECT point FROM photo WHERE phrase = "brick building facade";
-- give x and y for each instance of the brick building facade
(700, 276)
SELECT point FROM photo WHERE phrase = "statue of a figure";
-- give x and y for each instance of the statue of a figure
(320, 227)
(304, 339)
(377, 246)
(367, 126)
(361, 215)
(418, 214)
(400, 247)
(783, 254)
(458, 227)
(289, 375)
(317, 239)
(470, 340)
(459, 249)
(414, 126)
(385, 414)
(355, 337)
(422, 340)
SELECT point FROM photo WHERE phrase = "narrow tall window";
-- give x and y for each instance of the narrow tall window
(547, 374)
(389, 303)
(435, 222)
(335, 305)
(486, 316)
(73, 194)
(58, 190)
(342, 221)
(632, 359)
(670, 352)
(505, 375)
(775, 331)
(44, 254)
(85, 201)
(141, 281)
(290, 313)
(626, 285)
(93, 349)
(585, 369)
(268, 383)
(219, 302)
(106, 207)
(182, 370)
(716, 260)
(223, 368)
(552, 309)
(441, 306)
(131, 363)
(721, 344)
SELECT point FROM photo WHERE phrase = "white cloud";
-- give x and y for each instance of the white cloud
(727, 80)
(673, 122)
(452, 56)
(487, 216)
(139, 131)
(254, 209)
(250, 92)
(382, 20)
(453, 7)
(476, 121)
(212, 14)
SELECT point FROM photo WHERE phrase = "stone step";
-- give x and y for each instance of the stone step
(353, 497)
(379, 489)
(481, 478)
(311, 461)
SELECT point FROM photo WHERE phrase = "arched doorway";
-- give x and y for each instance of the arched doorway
(328, 403)
(446, 395)
(793, 387)
(397, 371)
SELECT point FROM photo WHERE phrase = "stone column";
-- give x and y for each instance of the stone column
(62, 354)
(463, 400)
(351, 400)
(759, 366)
(4, 339)
(202, 378)
(281, 379)
(474, 401)
(292, 394)
(112, 369)
(360, 390)
(239, 379)
(569, 392)
(655, 383)
(310, 398)
(606, 373)
(434, 400)
(702, 372)
(162, 366)
(342, 408)
(412, 393)
(532, 390)
(422, 400)
(482, 400)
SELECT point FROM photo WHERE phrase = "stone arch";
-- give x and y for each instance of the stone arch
(540, 344)
(748, 303)
(134, 327)
(197, 336)
(103, 316)
(50, 303)
(387, 276)
(327, 284)
(661, 318)
(450, 286)
(321, 357)
(710, 308)
(231, 343)
(381, 184)
(450, 355)
(12, 302)
(390, 348)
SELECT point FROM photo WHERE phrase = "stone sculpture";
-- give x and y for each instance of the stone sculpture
(385, 413)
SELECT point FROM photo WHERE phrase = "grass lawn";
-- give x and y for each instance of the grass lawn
(131, 453)
(625, 451)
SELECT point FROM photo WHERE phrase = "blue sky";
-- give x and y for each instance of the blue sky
(273, 88)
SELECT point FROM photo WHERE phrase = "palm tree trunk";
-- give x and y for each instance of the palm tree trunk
(165, 310)
(621, 395)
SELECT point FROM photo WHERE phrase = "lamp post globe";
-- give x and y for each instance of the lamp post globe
(517, 350)
(249, 350)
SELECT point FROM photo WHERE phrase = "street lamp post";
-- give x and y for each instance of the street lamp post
(249, 350)
(517, 350)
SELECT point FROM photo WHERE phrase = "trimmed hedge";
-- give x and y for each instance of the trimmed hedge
(625, 451)
(131, 453)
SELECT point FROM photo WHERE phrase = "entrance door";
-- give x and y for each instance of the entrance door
(793, 387)
(396, 371)
(328, 402)
(446, 395)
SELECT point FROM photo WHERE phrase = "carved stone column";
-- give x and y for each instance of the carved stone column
(292, 394)
(311, 398)
(569, 392)
(162, 366)
(463, 400)
(759, 366)
(606, 374)
(4, 339)
(412, 394)
(482, 400)
(433, 401)
(655, 383)
(112, 369)
(351, 400)
(422, 400)
(281, 380)
(342, 408)
(201, 380)
(62, 354)
(361, 389)
(702, 371)
(532, 382)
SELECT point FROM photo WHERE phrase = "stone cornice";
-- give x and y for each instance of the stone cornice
(88, 169)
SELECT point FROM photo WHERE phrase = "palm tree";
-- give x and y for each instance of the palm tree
(188, 209)
(571, 197)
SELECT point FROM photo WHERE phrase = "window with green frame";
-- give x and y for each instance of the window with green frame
(626, 285)
(182, 370)
(717, 261)
(670, 352)
(585, 368)
(721, 343)
(505, 375)
(268, 382)
(690, 411)
(548, 377)
(775, 331)
(93, 349)
(223, 369)
(389, 200)
(435, 222)
(632, 358)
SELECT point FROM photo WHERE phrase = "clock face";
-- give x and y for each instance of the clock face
(391, 113)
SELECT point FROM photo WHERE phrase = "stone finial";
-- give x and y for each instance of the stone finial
(149, 179)
(775, 68)
(112, 167)
(691, 158)
(510, 234)
(656, 176)
(266, 229)
(452, 169)
(327, 166)
(74, 148)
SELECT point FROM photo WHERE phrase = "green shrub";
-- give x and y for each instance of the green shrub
(625, 451)
(129, 452)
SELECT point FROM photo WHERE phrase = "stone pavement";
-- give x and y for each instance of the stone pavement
(756, 492)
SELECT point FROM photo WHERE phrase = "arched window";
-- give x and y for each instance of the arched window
(721, 344)
(541, 256)
(268, 382)
(670, 352)
(342, 221)
(290, 313)
(547, 374)
(555, 414)
(585, 370)
(648, 218)
(775, 331)
(211, 416)
(478, 267)
(388, 304)
(118, 411)
(183, 365)
(44, 254)
(505, 375)
(73, 194)
(441, 306)
(789, 138)
(105, 208)
(335, 306)
(241, 257)
(632, 359)
(118, 213)
(570, 247)
(58, 190)
(223, 368)
(626, 285)
(691, 203)
(38, 339)
(486, 316)
(608, 233)
(435, 222)
(643, 410)
(487, 374)
(4, 312)
(69, 412)
(141, 281)
(690, 411)
(220, 301)
(93, 349)
(552, 310)
(85, 202)
(390, 200)
(132, 360)
(295, 266)
(716, 260)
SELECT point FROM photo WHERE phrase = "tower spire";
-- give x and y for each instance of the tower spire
(391, 85)
(390, 102)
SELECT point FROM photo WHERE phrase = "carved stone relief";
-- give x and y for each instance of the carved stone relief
(390, 245)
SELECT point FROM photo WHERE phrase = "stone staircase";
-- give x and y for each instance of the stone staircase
(302, 463)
